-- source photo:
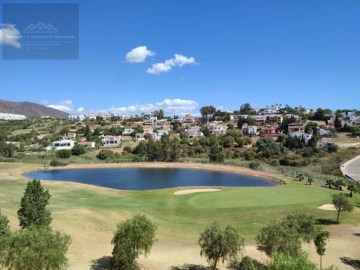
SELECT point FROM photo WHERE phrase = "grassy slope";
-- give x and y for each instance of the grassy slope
(179, 218)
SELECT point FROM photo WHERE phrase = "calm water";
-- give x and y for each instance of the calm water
(144, 179)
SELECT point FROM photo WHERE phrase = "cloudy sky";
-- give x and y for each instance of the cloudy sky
(139, 55)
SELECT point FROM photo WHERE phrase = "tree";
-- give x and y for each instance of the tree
(337, 122)
(310, 179)
(342, 203)
(78, 150)
(320, 243)
(352, 187)
(217, 244)
(132, 238)
(300, 177)
(286, 236)
(7, 150)
(4, 225)
(33, 204)
(217, 153)
(246, 109)
(329, 182)
(207, 111)
(36, 249)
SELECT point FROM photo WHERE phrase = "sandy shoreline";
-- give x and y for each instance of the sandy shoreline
(167, 165)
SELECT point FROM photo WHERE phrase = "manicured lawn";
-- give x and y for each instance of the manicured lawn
(179, 217)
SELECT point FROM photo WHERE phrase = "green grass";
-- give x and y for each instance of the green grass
(21, 131)
(182, 218)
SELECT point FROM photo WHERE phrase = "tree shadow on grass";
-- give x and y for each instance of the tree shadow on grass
(190, 267)
(103, 263)
(351, 262)
(357, 234)
(325, 221)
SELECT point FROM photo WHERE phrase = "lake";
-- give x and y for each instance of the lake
(150, 178)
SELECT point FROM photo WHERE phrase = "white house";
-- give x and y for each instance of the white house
(217, 129)
(16, 144)
(128, 131)
(150, 122)
(61, 145)
(249, 130)
(88, 144)
(194, 132)
(160, 133)
(69, 136)
(323, 132)
(110, 141)
(305, 136)
(11, 116)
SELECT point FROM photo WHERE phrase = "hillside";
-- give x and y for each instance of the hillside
(30, 109)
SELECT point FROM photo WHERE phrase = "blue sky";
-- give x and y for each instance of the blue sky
(229, 52)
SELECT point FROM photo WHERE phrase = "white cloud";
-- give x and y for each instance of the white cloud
(178, 61)
(65, 106)
(9, 35)
(138, 55)
(170, 106)
(80, 109)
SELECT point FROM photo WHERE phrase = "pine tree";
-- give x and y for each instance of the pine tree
(33, 204)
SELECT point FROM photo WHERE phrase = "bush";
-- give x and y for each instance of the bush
(56, 163)
(63, 153)
(254, 165)
(332, 148)
(105, 155)
(127, 149)
(7, 150)
(246, 264)
(78, 150)
(282, 261)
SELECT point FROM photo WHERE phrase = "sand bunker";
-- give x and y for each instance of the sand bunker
(328, 207)
(196, 190)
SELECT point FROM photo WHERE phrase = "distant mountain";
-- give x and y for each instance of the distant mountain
(30, 109)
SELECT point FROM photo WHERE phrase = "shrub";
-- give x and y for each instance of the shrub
(254, 165)
(63, 153)
(56, 163)
(332, 148)
(105, 154)
(128, 149)
(78, 150)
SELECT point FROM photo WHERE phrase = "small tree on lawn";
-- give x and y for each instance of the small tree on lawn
(320, 242)
(300, 177)
(36, 248)
(33, 204)
(352, 187)
(310, 179)
(342, 203)
(329, 182)
(217, 244)
(132, 238)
